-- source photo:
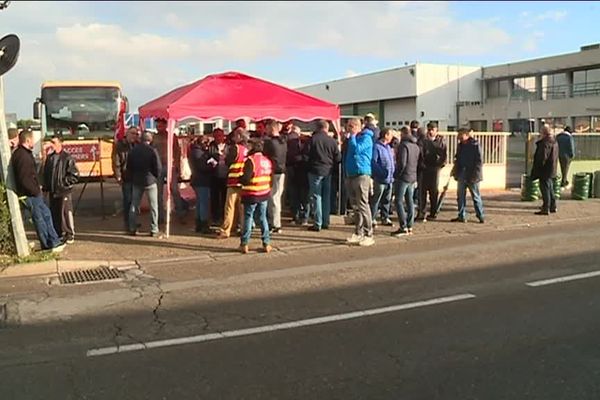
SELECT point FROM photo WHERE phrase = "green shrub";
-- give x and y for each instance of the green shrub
(7, 246)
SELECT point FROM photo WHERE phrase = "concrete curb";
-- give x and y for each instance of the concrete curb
(43, 268)
(55, 267)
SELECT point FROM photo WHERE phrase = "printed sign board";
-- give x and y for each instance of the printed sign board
(83, 151)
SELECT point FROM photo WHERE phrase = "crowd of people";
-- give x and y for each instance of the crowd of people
(243, 179)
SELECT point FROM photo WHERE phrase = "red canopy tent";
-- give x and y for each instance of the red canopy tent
(230, 96)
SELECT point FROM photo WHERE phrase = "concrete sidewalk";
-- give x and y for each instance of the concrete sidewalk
(103, 242)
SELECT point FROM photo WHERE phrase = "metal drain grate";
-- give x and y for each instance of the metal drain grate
(89, 275)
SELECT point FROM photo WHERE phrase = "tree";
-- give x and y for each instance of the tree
(25, 123)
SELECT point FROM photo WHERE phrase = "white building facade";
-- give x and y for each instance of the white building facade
(422, 92)
(514, 97)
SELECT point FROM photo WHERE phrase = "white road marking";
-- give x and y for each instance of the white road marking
(276, 327)
(564, 279)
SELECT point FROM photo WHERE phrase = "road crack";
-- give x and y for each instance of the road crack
(156, 320)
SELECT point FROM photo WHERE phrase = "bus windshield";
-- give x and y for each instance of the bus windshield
(81, 111)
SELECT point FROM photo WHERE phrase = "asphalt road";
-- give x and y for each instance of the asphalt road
(502, 340)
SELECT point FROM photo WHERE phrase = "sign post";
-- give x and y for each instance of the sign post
(8, 178)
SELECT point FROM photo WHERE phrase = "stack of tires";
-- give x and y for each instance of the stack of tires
(556, 184)
(597, 184)
(582, 185)
(530, 189)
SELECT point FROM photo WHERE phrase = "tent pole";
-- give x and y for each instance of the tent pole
(170, 133)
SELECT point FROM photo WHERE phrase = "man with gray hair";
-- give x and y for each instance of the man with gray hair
(545, 162)
(144, 167)
(120, 153)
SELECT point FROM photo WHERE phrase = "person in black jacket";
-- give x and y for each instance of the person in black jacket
(275, 149)
(321, 154)
(297, 177)
(203, 165)
(60, 174)
(120, 153)
(26, 182)
(467, 171)
(545, 162)
(218, 191)
(433, 149)
(145, 168)
(408, 158)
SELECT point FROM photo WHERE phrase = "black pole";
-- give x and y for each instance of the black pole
(84, 186)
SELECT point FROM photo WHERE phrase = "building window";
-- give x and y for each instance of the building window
(524, 88)
(478, 126)
(595, 124)
(583, 124)
(406, 122)
(586, 83)
(346, 109)
(394, 123)
(520, 126)
(498, 88)
(554, 86)
(387, 123)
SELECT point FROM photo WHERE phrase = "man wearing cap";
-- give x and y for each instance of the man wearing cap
(60, 174)
(371, 124)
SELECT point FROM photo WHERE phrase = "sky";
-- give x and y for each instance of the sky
(152, 47)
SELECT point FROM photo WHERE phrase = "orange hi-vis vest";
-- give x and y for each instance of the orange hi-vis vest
(236, 169)
(260, 184)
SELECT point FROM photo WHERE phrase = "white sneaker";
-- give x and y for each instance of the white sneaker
(367, 241)
(354, 239)
(58, 249)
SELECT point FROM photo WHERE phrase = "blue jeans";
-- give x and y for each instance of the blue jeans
(462, 199)
(202, 202)
(126, 189)
(136, 198)
(382, 194)
(42, 220)
(405, 191)
(249, 210)
(320, 197)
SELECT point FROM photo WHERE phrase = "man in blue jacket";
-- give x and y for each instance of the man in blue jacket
(382, 167)
(566, 152)
(467, 171)
(358, 172)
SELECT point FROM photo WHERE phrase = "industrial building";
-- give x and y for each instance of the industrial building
(515, 97)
